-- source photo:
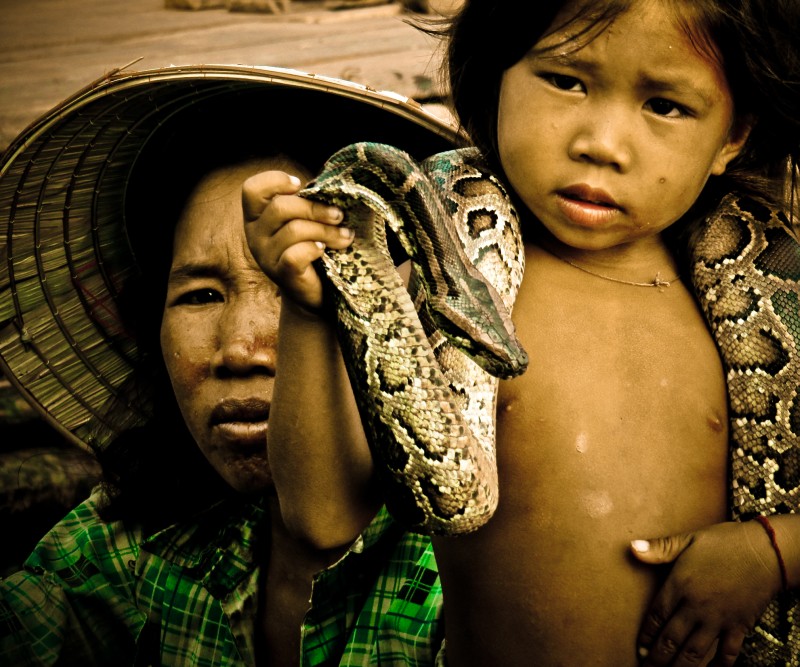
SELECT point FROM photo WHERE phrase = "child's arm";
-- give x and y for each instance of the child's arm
(318, 454)
(722, 579)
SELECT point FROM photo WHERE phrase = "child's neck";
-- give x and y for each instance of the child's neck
(641, 261)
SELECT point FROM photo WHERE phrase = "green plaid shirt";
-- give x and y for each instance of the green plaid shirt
(96, 593)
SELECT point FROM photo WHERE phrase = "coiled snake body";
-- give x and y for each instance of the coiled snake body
(746, 276)
(424, 362)
(425, 384)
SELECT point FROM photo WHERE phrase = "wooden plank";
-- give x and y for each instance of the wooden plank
(50, 48)
(270, 6)
(194, 4)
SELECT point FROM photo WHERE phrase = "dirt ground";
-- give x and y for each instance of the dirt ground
(51, 48)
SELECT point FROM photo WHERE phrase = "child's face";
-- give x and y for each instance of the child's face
(614, 142)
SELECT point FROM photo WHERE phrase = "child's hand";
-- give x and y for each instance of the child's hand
(287, 233)
(721, 581)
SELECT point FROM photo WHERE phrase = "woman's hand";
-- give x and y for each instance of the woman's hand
(722, 579)
(287, 233)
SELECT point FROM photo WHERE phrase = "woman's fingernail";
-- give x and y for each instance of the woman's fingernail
(295, 181)
(320, 245)
(642, 546)
(346, 232)
(335, 214)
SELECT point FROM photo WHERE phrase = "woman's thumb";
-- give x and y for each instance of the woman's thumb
(661, 549)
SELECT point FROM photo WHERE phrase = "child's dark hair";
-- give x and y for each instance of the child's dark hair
(755, 41)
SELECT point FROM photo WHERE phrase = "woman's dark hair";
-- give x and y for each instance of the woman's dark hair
(754, 40)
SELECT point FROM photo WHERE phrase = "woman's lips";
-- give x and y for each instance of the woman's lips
(586, 206)
(243, 420)
(243, 432)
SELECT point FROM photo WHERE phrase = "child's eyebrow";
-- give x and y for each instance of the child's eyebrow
(676, 84)
(572, 59)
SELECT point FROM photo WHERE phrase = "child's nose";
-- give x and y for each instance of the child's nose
(603, 140)
(248, 337)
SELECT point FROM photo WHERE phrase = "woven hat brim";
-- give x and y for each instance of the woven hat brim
(64, 250)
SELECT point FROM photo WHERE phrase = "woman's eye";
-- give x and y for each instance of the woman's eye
(564, 82)
(662, 107)
(200, 297)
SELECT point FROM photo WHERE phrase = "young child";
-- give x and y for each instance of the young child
(619, 127)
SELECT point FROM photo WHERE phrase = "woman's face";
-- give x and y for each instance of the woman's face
(219, 330)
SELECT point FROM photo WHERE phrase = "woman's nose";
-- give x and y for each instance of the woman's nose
(604, 139)
(248, 337)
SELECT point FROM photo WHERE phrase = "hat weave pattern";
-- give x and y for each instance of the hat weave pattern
(64, 248)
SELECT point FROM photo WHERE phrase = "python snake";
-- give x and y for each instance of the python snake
(746, 276)
(426, 384)
(424, 362)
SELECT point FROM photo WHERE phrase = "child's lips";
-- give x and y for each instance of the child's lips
(589, 195)
(586, 206)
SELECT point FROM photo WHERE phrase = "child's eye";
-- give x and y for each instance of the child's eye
(564, 82)
(200, 297)
(667, 108)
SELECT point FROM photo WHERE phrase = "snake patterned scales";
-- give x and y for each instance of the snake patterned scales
(746, 276)
(409, 370)
(424, 361)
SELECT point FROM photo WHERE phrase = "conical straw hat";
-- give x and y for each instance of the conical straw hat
(64, 246)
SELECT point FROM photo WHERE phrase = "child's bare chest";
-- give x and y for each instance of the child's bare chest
(625, 396)
(616, 432)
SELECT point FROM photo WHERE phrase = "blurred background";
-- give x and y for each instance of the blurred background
(51, 48)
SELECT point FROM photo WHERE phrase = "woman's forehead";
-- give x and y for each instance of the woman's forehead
(226, 180)
(210, 231)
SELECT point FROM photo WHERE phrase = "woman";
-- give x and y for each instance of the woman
(134, 317)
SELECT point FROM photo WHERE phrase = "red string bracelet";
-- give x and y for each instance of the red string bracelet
(764, 521)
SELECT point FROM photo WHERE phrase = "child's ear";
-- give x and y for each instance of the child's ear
(733, 146)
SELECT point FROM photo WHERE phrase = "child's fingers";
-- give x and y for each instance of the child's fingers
(270, 250)
(697, 647)
(668, 643)
(282, 209)
(287, 256)
(655, 620)
(730, 645)
(682, 647)
(662, 549)
(294, 270)
(312, 237)
(268, 198)
(287, 233)
(259, 189)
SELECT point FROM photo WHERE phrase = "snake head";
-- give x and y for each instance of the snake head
(498, 355)
(473, 319)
